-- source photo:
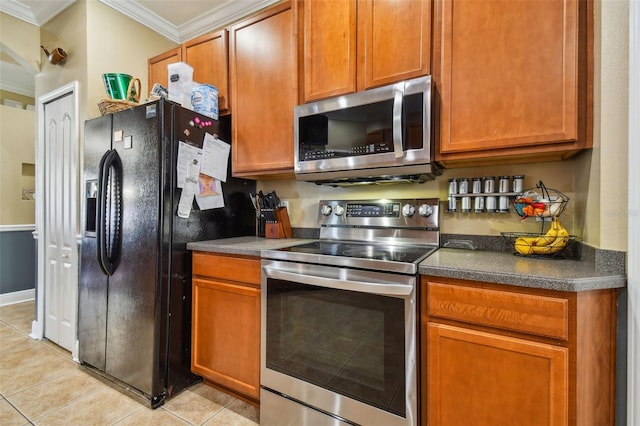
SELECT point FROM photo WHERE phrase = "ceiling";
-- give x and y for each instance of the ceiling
(177, 20)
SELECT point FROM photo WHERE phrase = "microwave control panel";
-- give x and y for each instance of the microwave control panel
(366, 149)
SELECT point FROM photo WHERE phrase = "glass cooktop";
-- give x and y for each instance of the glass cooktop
(405, 253)
(397, 258)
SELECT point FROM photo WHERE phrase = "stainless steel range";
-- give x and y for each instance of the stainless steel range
(339, 317)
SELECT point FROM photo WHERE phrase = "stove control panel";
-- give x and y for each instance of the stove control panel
(385, 213)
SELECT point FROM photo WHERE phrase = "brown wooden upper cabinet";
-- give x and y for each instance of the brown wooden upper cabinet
(512, 79)
(353, 45)
(158, 72)
(209, 57)
(264, 88)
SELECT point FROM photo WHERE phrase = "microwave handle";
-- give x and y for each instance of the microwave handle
(397, 119)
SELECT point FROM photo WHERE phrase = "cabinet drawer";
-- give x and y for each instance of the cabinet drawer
(234, 268)
(527, 313)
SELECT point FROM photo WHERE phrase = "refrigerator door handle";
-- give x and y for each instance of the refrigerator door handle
(109, 207)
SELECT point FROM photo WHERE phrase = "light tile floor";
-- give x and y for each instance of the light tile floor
(41, 385)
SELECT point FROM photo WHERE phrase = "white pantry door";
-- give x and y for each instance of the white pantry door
(60, 170)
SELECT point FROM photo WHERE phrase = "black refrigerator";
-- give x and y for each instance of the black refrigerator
(134, 299)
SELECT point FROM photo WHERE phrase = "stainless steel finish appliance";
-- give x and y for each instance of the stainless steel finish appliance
(339, 318)
(375, 136)
(134, 313)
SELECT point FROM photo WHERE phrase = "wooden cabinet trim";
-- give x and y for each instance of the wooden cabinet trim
(533, 314)
(596, 357)
(235, 268)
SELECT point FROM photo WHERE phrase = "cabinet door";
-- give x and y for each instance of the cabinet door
(264, 89)
(507, 76)
(478, 378)
(329, 51)
(395, 37)
(158, 72)
(226, 335)
(353, 45)
(209, 57)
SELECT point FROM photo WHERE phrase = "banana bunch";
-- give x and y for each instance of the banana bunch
(553, 241)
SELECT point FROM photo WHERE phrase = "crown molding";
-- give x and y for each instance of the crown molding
(220, 16)
(18, 10)
(212, 19)
(144, 16)
(45, 10)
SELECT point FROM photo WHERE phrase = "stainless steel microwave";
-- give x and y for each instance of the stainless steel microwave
(375, 136)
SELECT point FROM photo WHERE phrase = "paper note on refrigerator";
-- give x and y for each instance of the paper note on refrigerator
(209, 195)
(215, 157)
(189, 190)
(186, 154)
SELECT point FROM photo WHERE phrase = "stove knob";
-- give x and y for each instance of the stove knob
(425, 210)
(338, 210)
(408, 210)
(325, 210)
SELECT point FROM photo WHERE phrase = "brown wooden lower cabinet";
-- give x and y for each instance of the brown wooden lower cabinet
(503, 355)
(226, 322)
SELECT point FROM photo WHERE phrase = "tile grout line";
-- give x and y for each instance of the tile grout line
(65, 357)
(120, 420)
(177, 416)
(19, 412)
(65, 405)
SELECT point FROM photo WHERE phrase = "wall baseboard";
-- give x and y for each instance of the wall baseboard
(17, 297)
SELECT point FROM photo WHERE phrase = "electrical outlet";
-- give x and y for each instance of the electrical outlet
(285, 204)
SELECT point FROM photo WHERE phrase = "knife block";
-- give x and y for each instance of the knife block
(273, 230)
(282, 216)
(282, 227)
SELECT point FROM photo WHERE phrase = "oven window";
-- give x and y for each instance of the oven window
(347, 342)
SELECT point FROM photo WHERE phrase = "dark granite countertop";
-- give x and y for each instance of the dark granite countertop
(507, 268)
(248, 246)
(498, 267)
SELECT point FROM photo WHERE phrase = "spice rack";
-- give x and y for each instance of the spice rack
(483, 194)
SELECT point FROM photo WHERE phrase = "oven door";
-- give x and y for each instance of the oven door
(338, 341)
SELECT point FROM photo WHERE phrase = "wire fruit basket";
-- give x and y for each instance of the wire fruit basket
(545, 204)
(540, 202)
(537, 245)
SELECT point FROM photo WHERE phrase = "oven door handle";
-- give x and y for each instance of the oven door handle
(379, 288)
